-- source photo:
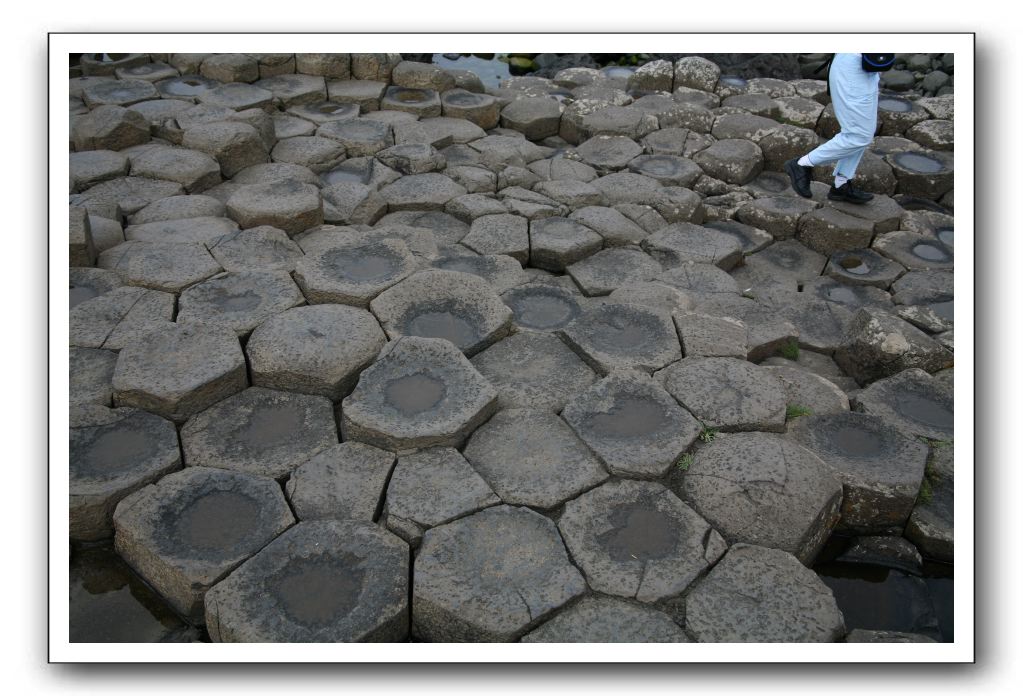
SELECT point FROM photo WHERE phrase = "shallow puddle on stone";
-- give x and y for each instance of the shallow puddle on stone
(442, 324)
(116, 449)
(630, 417)
(919, 408)
(409, 96)
(108, 603)
(640, 534)
(854, 265)
(463, 99)
(475, 266)
(732, 81)
(232, 301)
(272, 424)
(659, 166)
(414, 394)
(337, 176)
(542, 311)
(929, 252)
(319, 591)
(918, 163)
(218, 521)
(856, 442)
(945, 310)
(79, 294)
(844, 295)
(877, 598)
(897, 105)
(621, 336)
(361, 266)
(946, 235)
(186, 86)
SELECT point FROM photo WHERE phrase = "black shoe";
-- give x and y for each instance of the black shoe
(800, 177)
(848, 194)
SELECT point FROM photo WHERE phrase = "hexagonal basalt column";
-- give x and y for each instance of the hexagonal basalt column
(481, 109)
(500, 271)
(499, 234)
(608, 153)
(261, 248)
(915, 251)
(863, 267)
(320, 349)
(234, 145)
(458, 307)
(166, 266)
(636, 539)
(118, 93)
(913, 402)
(185, 87)
(685, 242)
(491, 576)
(759, 488)
(607, 270)
(194, 170)
(925, 173)
(727, 394)
(429, 191)
(322, 112)
(543, 306)
(239, 301)
(733, 161)
(287, 205)
(118, 317)
(606, 620)
(114, 452)
(319, 582)
(632, 424)
(880, 468)
(534, 370)
(344, 481)
(878, 344)
(556, 243)
(431, 487)
(530, 457)
(177, 370)
(759, 595)
(421, 392)
(190, 529)
(259, 431)
(614, 336)
(354, 274)
(534, 117)
(423, 103)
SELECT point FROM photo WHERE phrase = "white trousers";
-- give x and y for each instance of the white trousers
(854, 96)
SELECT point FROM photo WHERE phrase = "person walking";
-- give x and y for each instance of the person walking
(853, 80)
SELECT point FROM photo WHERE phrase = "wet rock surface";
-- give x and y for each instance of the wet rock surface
(577, 271)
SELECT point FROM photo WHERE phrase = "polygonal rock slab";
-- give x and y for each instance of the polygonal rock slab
(491, 576)
(915, 251)
(353, 274)
(421, 392)
(178, 370)
(880, 468)
(534, 117)
(261, 248)
(542, 306)
(636, 539)
(320, 349)
(114, 452)
(705, 335)
(316, 153)
(458, 307)
(500, 271)
(90, 371)
(878, 344)
(685, 242)
(913, 402)
(194, 170)
(614, 336)
(759, 488)
(287, 205)
(421, 192)
(259, 431)
(700, 280)
(863, 267)
(632, 424)
(733, 161)
(827, 230)
(344, 481)
(190, 529)
(234, 145)
(609, 223)
(324, 581)
(431, 487)
(609, 269)
(499, 234)
(166, 266)
(239, 301)
(607, 620)
(808, 390)
(931, 526)
(608, 153)
(727, 394)
(759, 595)
(556, 243)
(118, 317)
(109, 128)
(530, 457)
(203, 230)
(534, 370)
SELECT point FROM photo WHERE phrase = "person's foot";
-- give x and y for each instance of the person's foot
(799, 176)
(848, 194)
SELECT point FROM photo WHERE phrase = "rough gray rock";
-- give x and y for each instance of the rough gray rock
(262, 248)
(235, 146)
(759, 488)
(707, 336)
(685, 242)
(734, 161)
(429, 191)
(177, 370)
(324, 581)
(534, 117)
(109, 128)
(239, 301)
(118, 317)
(429, 488)
(186, 532)
(810, 391)
(636, 539)
(353, 273)
(879, 344)
(543, 306)
(609, 269)
(113, 453)
(490, 577)
(259, 431)
(632, 424)
(556, 243)
(319, 349)
(611, 336)
(91, 371)
(530, 457)
(343, 481)
(420, 392)
(606, 620)
(913, 402)
(880, 468)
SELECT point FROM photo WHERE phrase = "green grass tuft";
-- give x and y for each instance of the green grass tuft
(795, 411)
(684, 461)
(708, 434)
(791, 351)
(926, 492)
